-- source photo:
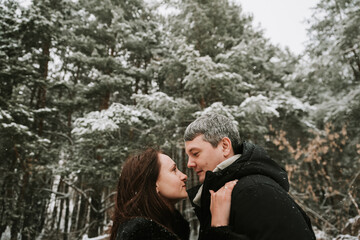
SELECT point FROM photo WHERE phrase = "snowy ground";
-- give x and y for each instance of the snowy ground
(320, 235)
(85, 237)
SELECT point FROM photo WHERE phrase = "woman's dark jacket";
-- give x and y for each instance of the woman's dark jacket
(141, 228)
(145, 228)
(261, 207)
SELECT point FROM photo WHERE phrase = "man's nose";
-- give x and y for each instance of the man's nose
(191, 163)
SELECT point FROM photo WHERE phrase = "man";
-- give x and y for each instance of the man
(261, 207)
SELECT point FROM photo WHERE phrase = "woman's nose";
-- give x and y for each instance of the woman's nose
(183, 177)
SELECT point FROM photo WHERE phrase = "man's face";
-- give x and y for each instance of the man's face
(203, 156)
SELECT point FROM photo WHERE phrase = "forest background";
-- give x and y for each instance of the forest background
(85, 83)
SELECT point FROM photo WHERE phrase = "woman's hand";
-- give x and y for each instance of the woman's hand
(220, 204)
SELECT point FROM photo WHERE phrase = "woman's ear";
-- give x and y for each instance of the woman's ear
(157, 189)
(227, 147)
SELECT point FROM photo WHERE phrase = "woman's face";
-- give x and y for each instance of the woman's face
(171, 181)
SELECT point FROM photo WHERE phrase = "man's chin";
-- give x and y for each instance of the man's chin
(201, 179)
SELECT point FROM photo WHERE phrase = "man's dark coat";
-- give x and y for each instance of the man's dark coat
(261, 207)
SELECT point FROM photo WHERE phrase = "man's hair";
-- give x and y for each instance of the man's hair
(214, 127)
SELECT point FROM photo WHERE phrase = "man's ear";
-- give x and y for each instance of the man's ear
(227, 147)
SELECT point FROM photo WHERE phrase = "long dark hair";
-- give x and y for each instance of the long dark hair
(136, 192)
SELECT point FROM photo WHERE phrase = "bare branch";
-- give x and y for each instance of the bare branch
(353, 180)
(61, 194)
(354, 202)
(108, 196)
(88, 199)
(313, 212)
(61, 135)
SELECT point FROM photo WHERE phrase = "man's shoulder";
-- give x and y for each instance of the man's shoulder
(259, 197)
(256, 181)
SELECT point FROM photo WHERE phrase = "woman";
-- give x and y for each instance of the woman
(149, 186)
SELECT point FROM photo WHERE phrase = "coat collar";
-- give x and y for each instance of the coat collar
(218, 168)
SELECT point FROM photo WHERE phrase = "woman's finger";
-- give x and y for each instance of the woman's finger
(220, 204)
(230, 185)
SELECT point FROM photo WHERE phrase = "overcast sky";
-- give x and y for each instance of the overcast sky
(283, 20)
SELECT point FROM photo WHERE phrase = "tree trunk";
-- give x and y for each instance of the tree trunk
(32, 96)
(6, 91)
(67, 210)
(41, 94)
(53, 218)
(82, 209)
(8, 187)
(96, 217)
(3, 216)
(137, 82)
(14, 230)
(146, 81)
(58, 227)
(43, 206)
(23, 199)
(202, 102)
(2, 230)
(104, 103)
(74, 215)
